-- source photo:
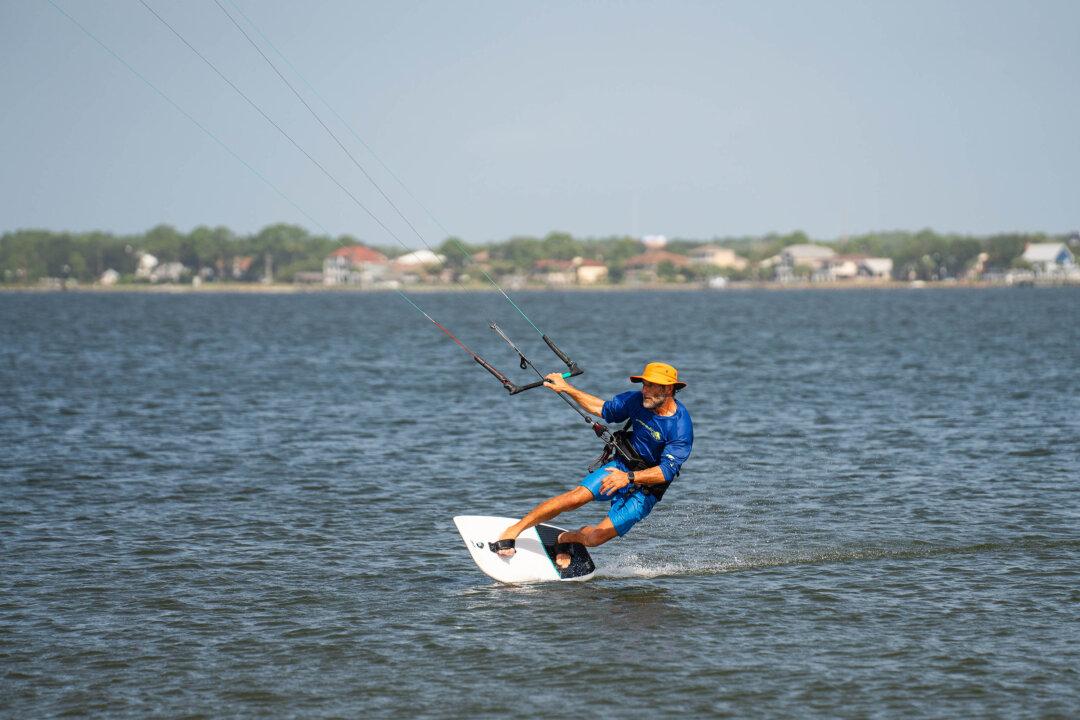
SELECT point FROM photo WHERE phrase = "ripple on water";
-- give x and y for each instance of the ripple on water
(232, 517)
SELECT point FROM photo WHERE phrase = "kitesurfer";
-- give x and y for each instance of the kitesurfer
(659, 436)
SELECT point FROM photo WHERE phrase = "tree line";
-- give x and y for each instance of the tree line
(27, 256)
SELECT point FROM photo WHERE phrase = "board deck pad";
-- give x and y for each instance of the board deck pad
(535, 557)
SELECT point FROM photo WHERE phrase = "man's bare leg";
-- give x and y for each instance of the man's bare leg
(543, 512)
(589, 536)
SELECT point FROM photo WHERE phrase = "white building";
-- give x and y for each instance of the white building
(354, 265)
(590, 272)
(877, 267)
(145, 266)
(813, 256)
(169, 272)
(850, 267)
(148, 268)
(1049, 258)
(807, 255)
(418, 258)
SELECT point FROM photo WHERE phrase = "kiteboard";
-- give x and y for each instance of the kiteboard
(535, 557)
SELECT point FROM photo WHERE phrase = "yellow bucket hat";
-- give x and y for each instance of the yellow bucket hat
(659, 373)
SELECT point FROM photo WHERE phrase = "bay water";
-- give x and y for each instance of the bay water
(226, 505)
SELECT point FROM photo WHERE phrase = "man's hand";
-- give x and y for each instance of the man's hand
(592, 404)
(557, 382)
(615, 479)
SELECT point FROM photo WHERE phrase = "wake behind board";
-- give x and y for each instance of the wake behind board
(535, 557)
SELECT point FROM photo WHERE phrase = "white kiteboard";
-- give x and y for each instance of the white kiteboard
(535, 557)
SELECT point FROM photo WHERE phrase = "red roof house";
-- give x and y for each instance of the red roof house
(359, 255)
(354, 265)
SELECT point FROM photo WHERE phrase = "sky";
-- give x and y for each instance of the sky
(502, 118)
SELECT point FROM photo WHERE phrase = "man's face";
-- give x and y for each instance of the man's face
(653, 395)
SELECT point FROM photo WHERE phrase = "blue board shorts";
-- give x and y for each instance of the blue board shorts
(627, 506)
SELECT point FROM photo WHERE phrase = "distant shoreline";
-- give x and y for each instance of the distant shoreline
(294, 289)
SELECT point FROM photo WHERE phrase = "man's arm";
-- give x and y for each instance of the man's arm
(616, 478)
(672, 457)
(590, 403)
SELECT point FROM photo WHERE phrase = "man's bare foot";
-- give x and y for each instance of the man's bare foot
(562, 559)
(507, 553)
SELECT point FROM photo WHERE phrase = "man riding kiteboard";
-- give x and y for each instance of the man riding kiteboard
(658, 438)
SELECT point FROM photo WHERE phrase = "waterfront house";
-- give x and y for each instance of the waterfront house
(416, 259)
(416, 266)
(241, 266)
(145, 266)
(149, 268)
(977, 267)
(839, 267)
(645, 267)
(579, 271)
(554, 272)
(169, 272)
(879, 268)
(478, 264)
(590, 272)
(1049, 258)
(850, 267)
(717, 257)
(354, 265)
(810, 257)
(806, 254)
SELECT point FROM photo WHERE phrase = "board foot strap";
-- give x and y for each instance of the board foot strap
(502, 545)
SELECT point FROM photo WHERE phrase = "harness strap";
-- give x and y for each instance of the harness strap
(620, 447)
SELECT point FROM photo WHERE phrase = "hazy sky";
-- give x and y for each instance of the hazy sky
(688, 119)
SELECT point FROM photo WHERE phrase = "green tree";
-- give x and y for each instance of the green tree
(521, 253)
(667, 271)
(560, 246)
(1003, 249)
(458, 255)
(164, 242)
(210, 246)
(616, 251)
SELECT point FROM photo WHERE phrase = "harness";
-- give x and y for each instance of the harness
(620, 447)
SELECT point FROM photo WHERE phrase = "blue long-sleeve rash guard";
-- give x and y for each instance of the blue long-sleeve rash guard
(660, 440)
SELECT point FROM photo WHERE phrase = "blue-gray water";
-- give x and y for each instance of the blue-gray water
(224, 505)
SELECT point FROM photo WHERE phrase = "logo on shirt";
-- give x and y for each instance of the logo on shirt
(655, 433)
